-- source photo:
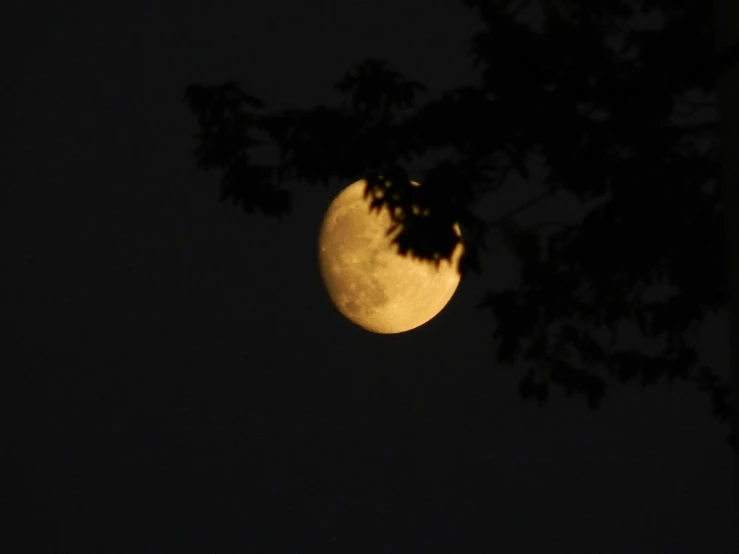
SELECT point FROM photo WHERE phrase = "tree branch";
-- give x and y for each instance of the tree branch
(529, 203)
(692, 128)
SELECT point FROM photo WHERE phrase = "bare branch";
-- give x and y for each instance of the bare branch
(528, 204)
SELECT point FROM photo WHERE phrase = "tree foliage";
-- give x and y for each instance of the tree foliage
(596, 97)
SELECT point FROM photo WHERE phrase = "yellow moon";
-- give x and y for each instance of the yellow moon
(368, 281)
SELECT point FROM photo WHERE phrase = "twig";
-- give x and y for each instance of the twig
(530, 202)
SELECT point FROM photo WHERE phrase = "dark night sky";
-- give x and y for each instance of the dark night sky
(178, 380)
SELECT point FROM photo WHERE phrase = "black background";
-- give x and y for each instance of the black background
(176, 378)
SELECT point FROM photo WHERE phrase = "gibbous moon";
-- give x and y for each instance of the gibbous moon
(368, 281)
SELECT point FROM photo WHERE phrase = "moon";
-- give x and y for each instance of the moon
(367, 280)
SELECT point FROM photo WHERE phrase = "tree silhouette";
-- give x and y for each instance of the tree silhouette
(600, 100)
